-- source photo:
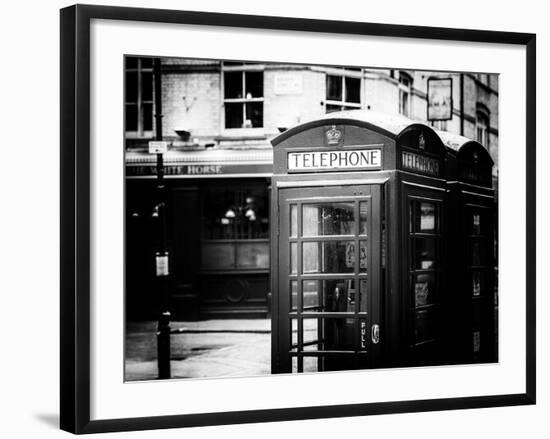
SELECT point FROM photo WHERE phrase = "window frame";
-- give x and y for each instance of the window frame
(482, 115)
(140, 132)
(404, 89)
(245, 67)
(344, 73)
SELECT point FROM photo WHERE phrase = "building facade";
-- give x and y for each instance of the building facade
(218, 118)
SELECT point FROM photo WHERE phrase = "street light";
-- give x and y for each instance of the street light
(159, 147)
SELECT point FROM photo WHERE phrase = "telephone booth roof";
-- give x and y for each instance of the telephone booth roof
(389, 125)
(459, 145)
(467, 160)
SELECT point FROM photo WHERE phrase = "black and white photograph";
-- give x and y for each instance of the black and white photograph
(295, 218)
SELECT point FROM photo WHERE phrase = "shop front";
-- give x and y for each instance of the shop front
(218, 233)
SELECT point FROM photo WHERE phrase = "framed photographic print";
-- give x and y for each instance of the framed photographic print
(325, 218)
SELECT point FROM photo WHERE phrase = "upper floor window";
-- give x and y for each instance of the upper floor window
(139, 96)
(405, 91)
(243, 95)
(344, 90)
(482, 127)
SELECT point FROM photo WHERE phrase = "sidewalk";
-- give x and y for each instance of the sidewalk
(210, 348)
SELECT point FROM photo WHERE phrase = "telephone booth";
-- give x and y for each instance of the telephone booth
(474, 250)
(359, 245)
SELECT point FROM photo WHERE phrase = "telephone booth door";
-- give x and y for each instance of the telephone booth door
(329, 278)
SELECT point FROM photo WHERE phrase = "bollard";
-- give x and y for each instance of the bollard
(163, 346)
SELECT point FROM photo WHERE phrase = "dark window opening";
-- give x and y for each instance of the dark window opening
(138, 97)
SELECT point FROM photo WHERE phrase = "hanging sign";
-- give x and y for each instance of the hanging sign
(334, 160)
(440, 98)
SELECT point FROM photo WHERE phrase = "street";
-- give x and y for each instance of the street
(212, 348)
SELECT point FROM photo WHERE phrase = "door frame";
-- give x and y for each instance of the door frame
(375, 191)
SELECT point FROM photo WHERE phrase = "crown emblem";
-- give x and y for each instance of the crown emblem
(421, 141)
(333, 136)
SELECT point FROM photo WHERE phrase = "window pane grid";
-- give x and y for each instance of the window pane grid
(342, 92)
(139, 99)
(314, 305)
(243, 98)
(424, 268)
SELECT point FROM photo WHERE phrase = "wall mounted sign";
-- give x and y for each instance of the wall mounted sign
(420, 163)
(199, 170)
(334, 160)
(288, 83)
(440, 98)
(158, 147)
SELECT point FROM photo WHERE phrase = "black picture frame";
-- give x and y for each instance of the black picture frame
(76, 211)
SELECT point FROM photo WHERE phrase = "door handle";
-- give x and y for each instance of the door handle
(375, 333)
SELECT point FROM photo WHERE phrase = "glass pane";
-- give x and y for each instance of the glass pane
(217, 255)
(427, 217)
(425, 253)
(131, 62)
(323, 219)
(235, 211)
(311, 364)
(254, 115)
(478, 252)
(353, 90)
(476, 341)
(328, 257)
(426, 325)
(146, 63)
(293, 295)
(294, 364)
(147, 117)
(253, 255)
(334, 88)
(131, 117)
(476, 224)
(310, 332)
(293, 220)
(363, 298)
(131, 86)
(332, 108)
(363, 261)
(330, 295)
(424, 289)
(331, 333)
(293, 258)
(233, 85)
(363, 218)
(477, 313)
(476, 283)
(254, 84)
(234, 115)
(147, 86)
(294, 332)
(424, 217)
